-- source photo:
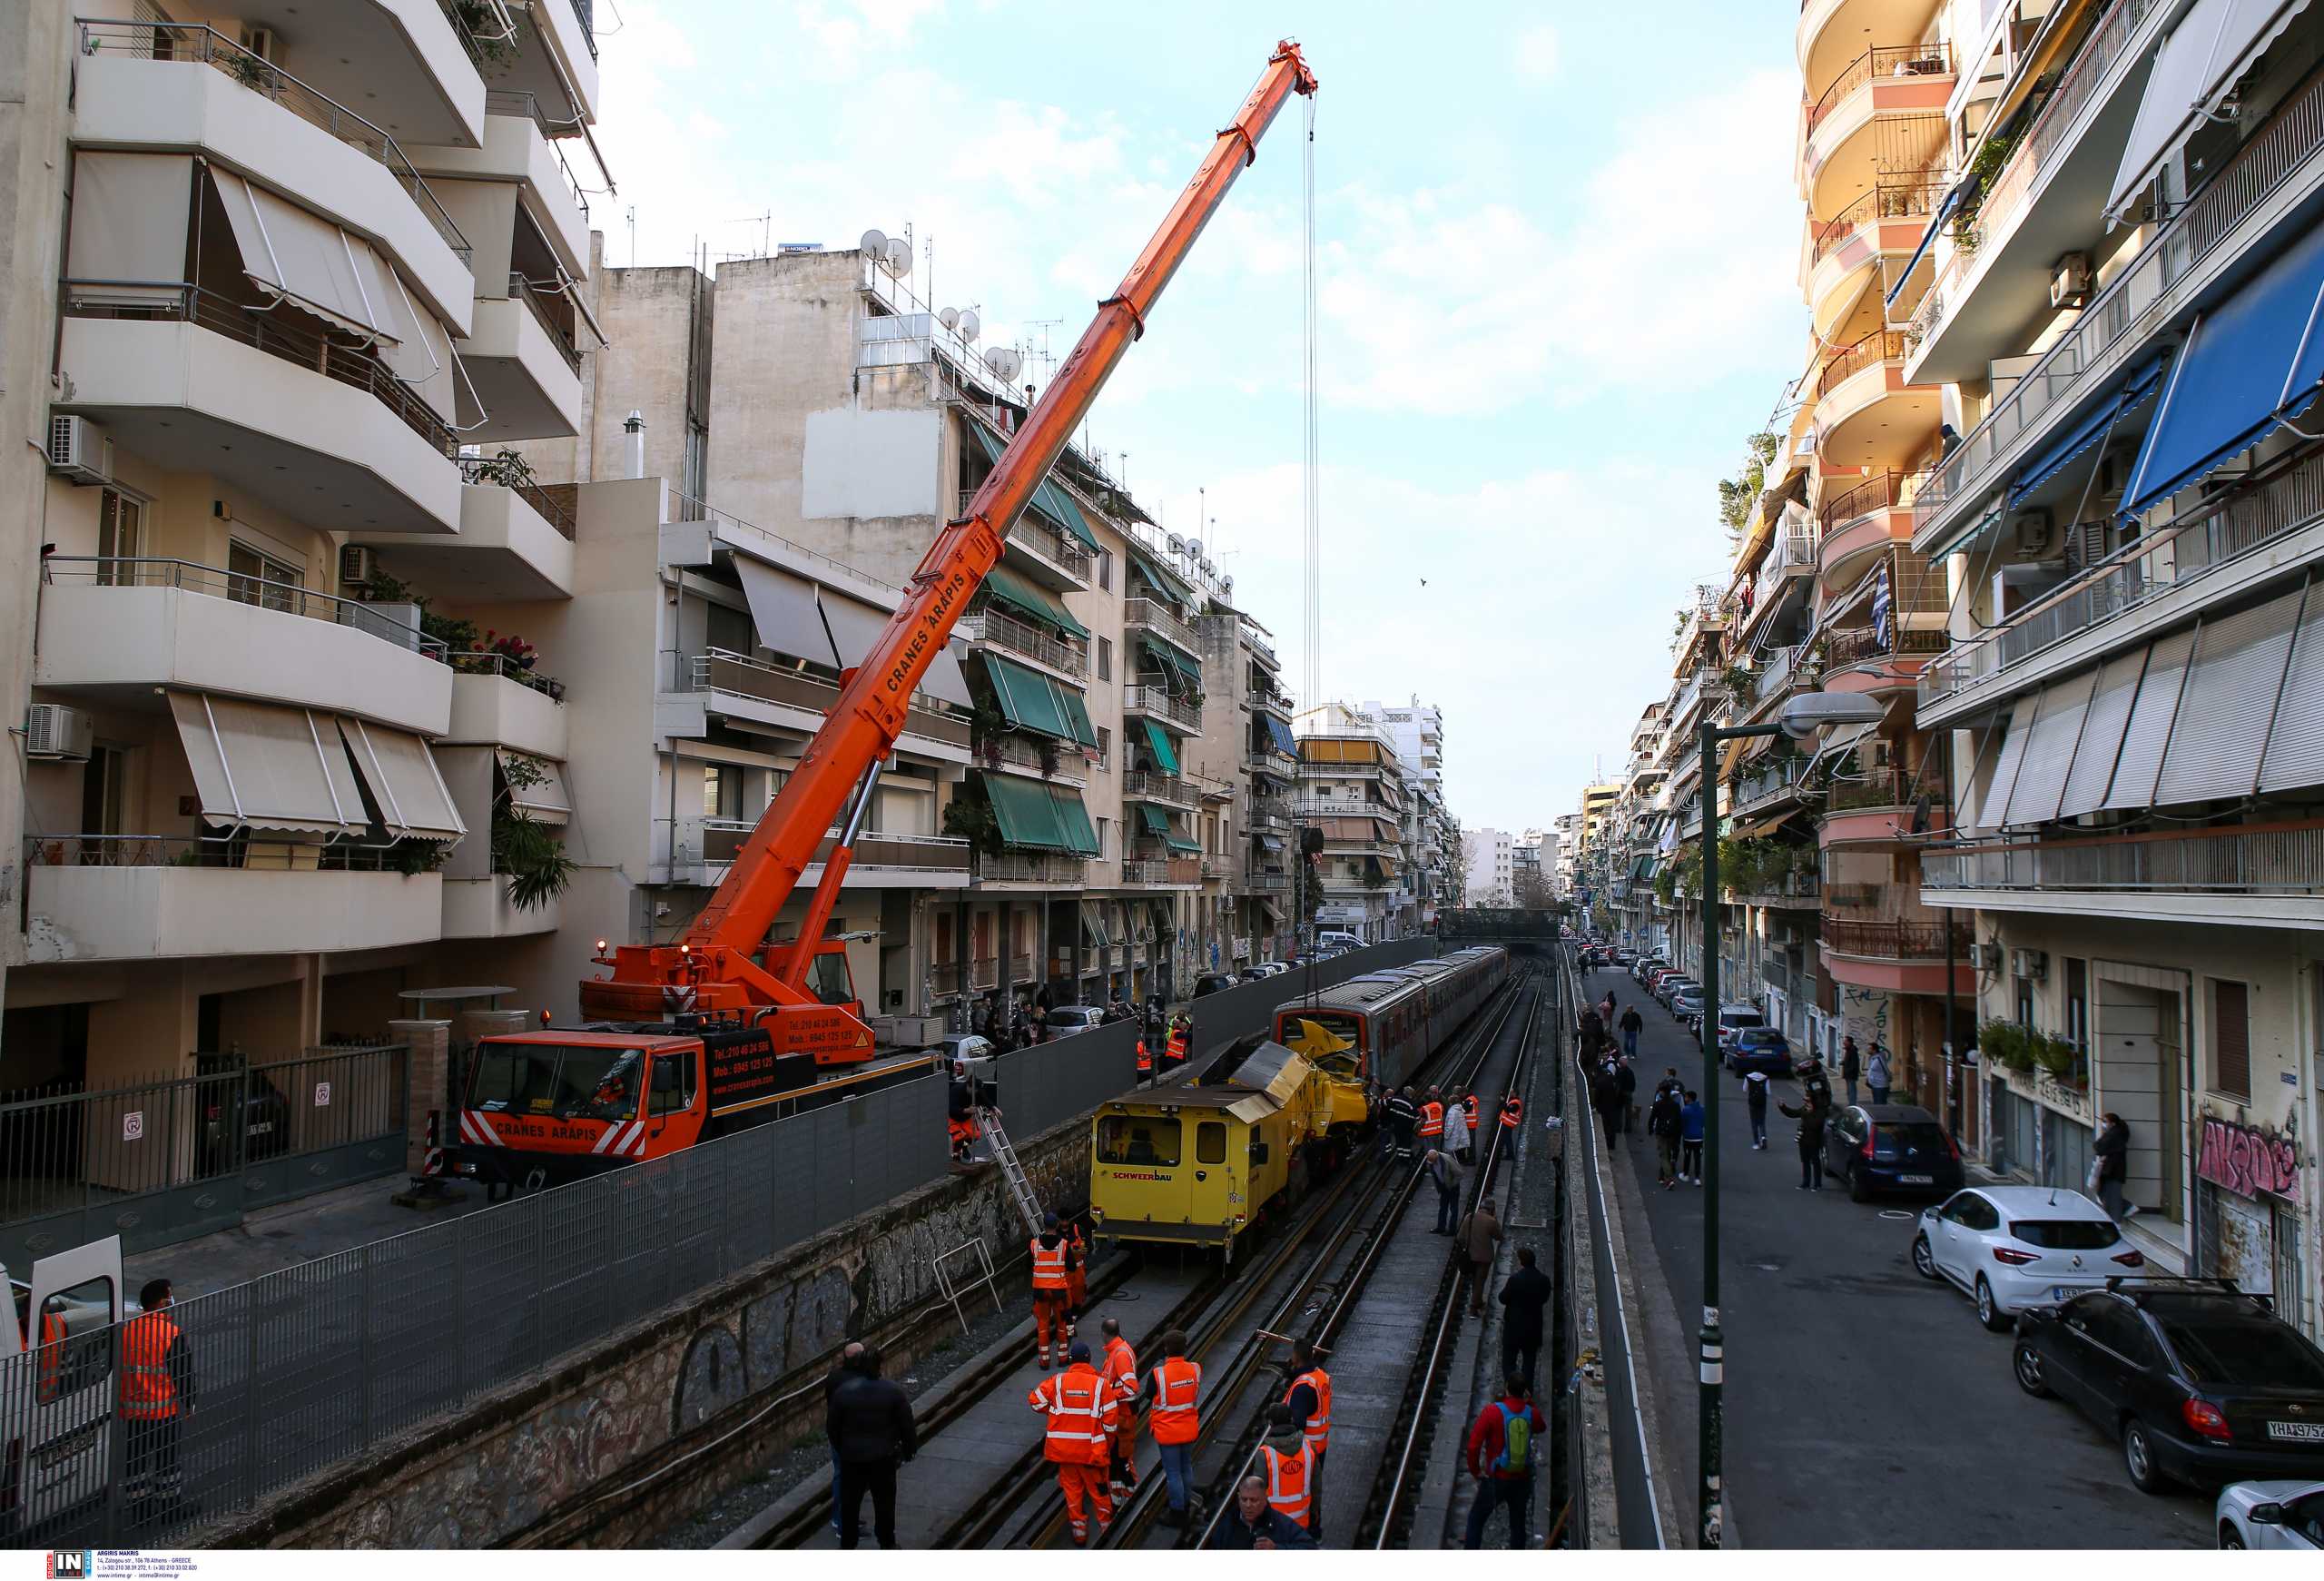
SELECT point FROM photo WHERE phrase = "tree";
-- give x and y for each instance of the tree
(1534, 890)
(1456, 860)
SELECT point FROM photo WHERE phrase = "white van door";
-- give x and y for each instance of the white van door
(58, 1400)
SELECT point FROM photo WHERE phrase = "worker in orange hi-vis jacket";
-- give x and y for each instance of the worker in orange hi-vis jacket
(1081, 1409)
(1050, 1255)
(1119, 1367)
(1077, 1276)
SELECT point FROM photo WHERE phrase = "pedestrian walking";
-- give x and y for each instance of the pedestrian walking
(1606, 1098)
(1445, 1176)
(158, 1387)
(1480, 1233)
(1523, 1300)
(1051, 1254)
(1812, 1114)
(2112, 1166)
(842, 1370)
(1117, 1365)
(1172, 1393)
(1403, 1115)
(1691, 1124)
(1288, 1463)
(1662, 1124)
(1626, 1078)
(1501, 1458)
(1309, 1401)
(1755, 1099)
(1076, 1275)
(1632, 1023)
(1606, 1012)
(1875, 1075)
(1851, 1067)
(1080, 1410)
(1253, 1523)
(870, 1422)
(1457, 1131)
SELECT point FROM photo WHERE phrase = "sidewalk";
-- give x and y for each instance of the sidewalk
(290, 1234)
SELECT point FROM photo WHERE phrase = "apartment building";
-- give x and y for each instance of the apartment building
(1416, 731)
(1245, 759)
(297, 267)
(2117, 322)
(1491, 854)
(1351, 790)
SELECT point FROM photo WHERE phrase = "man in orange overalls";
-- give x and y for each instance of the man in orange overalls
(1077, 1276)
(1050, 1255)
(1079, 1407)
(1118, 1367)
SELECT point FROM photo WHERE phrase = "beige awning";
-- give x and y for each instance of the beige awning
(411, 797)
(300, 256)
(129, 226)
(782, 608)
(263, 765)
(545, 803)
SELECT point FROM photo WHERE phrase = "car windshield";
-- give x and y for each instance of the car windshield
(2065, 1234)
(2234, 1349)
(1754, 1037)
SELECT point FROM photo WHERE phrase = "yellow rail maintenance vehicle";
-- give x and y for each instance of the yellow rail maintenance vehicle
(1199, 1160)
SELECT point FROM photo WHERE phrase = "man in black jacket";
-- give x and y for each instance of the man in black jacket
(1815, 1109)
(1402, 1115)
(1250, 1524)
(838, 1375)
(1525, 1295)
(870, 1425)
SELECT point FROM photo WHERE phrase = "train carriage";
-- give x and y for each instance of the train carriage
(1398, 1016)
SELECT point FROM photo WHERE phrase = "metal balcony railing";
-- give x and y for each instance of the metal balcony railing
(1902, 198)
(241, 852)
(1157, 700)
(544, 314)
(1891, 941)
(1166, 789)
(263, 592)
(1150, 616)
(719, 670)
(1880, 492)
(1905, 60)
(1030, 867)
(519, 102)
(1162, 869)
(1062, 760)
(1778, 777)
(1791, 552)
(1878, 347)
(486, 663)
(1025, 639)
(490, 471)
(1046, 542)
(1862, 646)
(2287, 859)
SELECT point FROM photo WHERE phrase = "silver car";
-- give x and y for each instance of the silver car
(2286, 1516)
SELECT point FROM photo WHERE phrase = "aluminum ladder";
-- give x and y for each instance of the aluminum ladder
(1005, 1155)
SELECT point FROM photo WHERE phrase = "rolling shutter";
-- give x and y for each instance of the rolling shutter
(1993, 813)
(2049, 753)
(2150, 725)
(129, 225)
(2102, 735)
(2295, 757)
(2232, 691)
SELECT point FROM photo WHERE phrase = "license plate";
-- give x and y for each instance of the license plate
(261, 1127)
(2306, 1432)
(2062, 1292)
(1916, 1179)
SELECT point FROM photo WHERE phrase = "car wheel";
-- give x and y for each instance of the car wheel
(1989, 1310)
(1924, 1259)
(2138, 1459)
(2026, 1364)
(2229, 1537)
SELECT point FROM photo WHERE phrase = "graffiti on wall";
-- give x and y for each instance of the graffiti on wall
(2248, 1160)
(1864, 1016)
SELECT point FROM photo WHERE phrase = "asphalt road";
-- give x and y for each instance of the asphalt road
(1864, 1407)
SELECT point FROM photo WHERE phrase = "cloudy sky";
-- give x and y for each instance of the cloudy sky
(1558, 247)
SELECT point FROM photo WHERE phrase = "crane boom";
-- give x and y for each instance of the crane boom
(714, 967)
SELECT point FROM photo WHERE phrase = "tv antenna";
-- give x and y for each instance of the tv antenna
(765, 222)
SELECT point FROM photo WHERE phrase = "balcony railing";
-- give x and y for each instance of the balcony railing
(1157, 700)
(1214, 866)
(240, 852)
(1045, 542)
(1875, 349)
(288, 597)
(2287, 859)
(1910, 198)
(722, 840)
(1880, 492)
(1031, 867)
(490, 471)
(1162, 869)
(544, 314)
(1908, 60)
(1259, 883)
(1789, 552)
(1891, 941)
(1167, 788)
(2220, 532)
(317, 351)
(1023, 638)
(1150, 614)
(1270, 812)
(2133, 301)
(1779, 776)
(518, 101)
(1862, 646)
(197, 42)
(1062, 760)
(478, 663)
(721, 670)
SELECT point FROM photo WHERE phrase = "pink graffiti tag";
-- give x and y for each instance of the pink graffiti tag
(2248, 1162)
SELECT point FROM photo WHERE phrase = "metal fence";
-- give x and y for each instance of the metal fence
(163, 1159)
(302, 1369)
(2289, 861)
(1050, 1083)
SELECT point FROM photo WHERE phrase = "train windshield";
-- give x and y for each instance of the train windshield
(1345, 1026)
(569, 1082)
(1136, 1139)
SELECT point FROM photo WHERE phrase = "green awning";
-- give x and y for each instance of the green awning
(1153, 820)
(1077, 714)
(1031, 600)
(1050, 499)
(1179, 843)
(1027, 812)
(1073, 821)
(1170, 658)
(1176, 585)
(1165, 759)
(1028, 698)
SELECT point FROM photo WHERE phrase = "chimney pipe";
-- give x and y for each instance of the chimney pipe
(634, 444)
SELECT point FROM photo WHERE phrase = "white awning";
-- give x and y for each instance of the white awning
(2102, 735)
(944, 679)
(855, 625)
(545, 803)
(411, 796)
(129, 225)
(263, 765)
(2233, 687)
(2198, 66)
(300, 256)
(782, 608)
(2049, 750)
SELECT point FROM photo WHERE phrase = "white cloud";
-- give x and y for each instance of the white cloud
(1536, 54)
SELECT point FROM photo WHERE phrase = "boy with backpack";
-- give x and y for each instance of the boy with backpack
(1501, 1447)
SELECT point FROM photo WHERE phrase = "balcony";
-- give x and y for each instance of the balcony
(405, 58)
(521, 151)
(1162, 872)
(2246, 877)
(494, 703)
(1062, 763)
(1881, 662)
(515, 543)
(1217, 867)
(1785, 891)
(1271, 814)
(1062, 657)
(706, 848)
(1149, 616)
(554, 56)
(309, 424)
(135, 897)
(2270, 177)
(1886, 808)
(2045, 200)
(1880, 114)
(1865, 411)
(1046, 553)
(188, 88)
(2211, 553)
(1884, 221)
(1259, 883)
(732, 685)
(118, 629)
(524, 368)
(480, 908)
(1157, 701)
(1032, 868)
(1163, 789)
(1777, 780)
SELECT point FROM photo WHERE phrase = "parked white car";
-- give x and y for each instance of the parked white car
(2287, 1517)
(2015, 1247)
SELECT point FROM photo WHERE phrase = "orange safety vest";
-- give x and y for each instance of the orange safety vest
(1319, 1426)
(148, 1391)
(1432, 1119)
(52, 1357)
(1512, 1113)
(1145, 1060)
(1049, 1265)
(1080, 1410)
(1120, 1367)
(1176, 1383)
(1291, 1480)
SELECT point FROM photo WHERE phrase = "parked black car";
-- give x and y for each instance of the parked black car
(245, 1118)
(1891, 1147)
(2198, 1382)
(1212, 982)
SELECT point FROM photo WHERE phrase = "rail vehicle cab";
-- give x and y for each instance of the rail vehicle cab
(57, 1388)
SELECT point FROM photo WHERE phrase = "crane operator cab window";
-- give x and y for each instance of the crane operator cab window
(828, 979)
(1138, 1139)
(673, 1083)
(559, 1080)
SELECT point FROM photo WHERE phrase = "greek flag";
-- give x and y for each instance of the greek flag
(1881, 610)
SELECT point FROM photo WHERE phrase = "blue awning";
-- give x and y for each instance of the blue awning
(1280, 734)
(1928, 240)
(2256, 358)
(2095, 425)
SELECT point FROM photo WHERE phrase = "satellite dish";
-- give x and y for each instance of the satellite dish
(874, 242)
(1177, 544)
(948, 317)
(1227, 586)
(1193, 546)
(898, 259)
(969, 325)
(1208, 568)
(1005, 362)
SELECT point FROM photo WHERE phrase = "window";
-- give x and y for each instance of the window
(2117, 1325)
(79, 1321)
(103, 791)
(1138, 1139)
(1105, 837)
(1105, 659)
(829, 979)
(121, 535)
(722, 791)
(595, 1083)
(2231, 1039)
(1105, 572)
(673, 1083)
(1211, 1142)
(1105, 746)
(2024, 1002)
(2078, 1002)
(255, 577)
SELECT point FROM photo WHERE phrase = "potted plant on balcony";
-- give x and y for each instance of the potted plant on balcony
(507, 468)
(530, 852)
(2007, 1044)
(2059, 1060)
(968, 817)
(1045, 747)
(986, 727)
(487, 38)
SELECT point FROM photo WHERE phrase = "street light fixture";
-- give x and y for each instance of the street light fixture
(1803, 718)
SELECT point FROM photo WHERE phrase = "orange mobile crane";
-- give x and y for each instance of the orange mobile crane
(691, 1039)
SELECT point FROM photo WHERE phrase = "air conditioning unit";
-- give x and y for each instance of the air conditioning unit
(2034, 965)
(79, 449)
(2069, 281)
(1984, 957)
(359, 565)
(57, 733)
(2034, 535)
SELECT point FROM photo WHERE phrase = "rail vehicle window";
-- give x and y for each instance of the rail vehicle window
(673, 1083)
(1138, 1139)
(830, 980)
(556, 1079)
(75, 1339)
(1211, 1142)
